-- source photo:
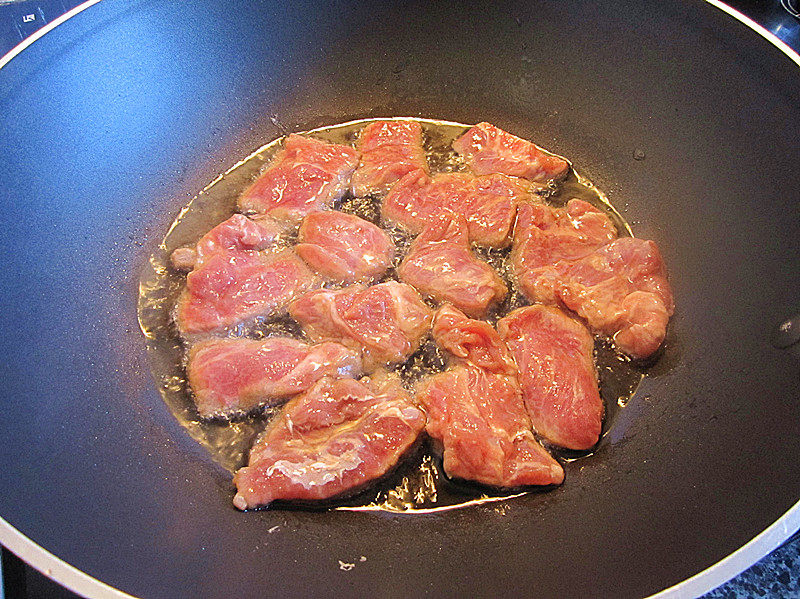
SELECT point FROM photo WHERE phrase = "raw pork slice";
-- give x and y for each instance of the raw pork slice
(236, 234)
(389, 150)
(344, 247)
(232, 287)
(544, 236)
(489, 149)
(480, 421)
(441, 265)
(622, 290)
(557, 373)
(385, 321)
(489, 203)
(304, 176)
(474, 341)
(234, 375)
(334, 439)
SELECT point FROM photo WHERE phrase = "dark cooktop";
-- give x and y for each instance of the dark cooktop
(774, 576)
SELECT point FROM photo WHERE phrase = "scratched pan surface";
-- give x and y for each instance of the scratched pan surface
(112, 121)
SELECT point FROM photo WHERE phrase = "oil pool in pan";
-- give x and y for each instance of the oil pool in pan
(418, 483)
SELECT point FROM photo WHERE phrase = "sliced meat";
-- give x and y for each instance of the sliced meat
(344, 247)
(389, 150)
(554, 355)
(474, 341)
(229, 288)
(305, 175)
(332, 440)
(571, 257)
(234, 235)
(489, 149)
(480, 421)
(621, 290)
(488, 203)
(441, 265)
(183, 259)
(385, 321)
(235, 375)
(545, 236)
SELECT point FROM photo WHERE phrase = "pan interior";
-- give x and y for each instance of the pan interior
(419, 483)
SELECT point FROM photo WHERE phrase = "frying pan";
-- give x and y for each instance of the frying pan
(115, 119)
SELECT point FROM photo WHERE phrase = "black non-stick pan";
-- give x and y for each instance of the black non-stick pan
(112, 121)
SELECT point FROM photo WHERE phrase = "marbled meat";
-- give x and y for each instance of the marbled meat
(488, 149)
(385, 321)
(480, 421)
(621, 290)
(304, 176)
(344, 247)
(554, 356)
(545, 236)
(229, 288)
(389, 150)
(441, 265)
(474, 341)
(332, 440)
(489, 203)
(230, 376)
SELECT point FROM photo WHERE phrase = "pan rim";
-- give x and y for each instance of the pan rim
(54, 567)
(39, 33)
(741, 17)
(704, 581)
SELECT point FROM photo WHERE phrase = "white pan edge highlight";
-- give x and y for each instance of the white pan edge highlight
(57, 569)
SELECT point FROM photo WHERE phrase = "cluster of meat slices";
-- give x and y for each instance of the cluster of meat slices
(533, 375)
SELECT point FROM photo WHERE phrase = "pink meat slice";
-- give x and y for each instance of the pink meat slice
(545, 236)
(474, 341)
(232, 287)
(554, 355)
(384, 321)
(389, 150)
(332, 440)
(480, 420)
(344, 247)
(489, 149)
(441, 265)
(621, 290)
(235, 375)
(236, 234)
(305, 175)
(488, 203)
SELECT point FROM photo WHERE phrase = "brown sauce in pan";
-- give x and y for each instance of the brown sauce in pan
(418, 483)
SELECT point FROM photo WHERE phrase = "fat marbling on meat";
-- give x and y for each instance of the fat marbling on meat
(237, 233)
(476, 413)
(474, 341)
(489, 149)
(389, 150)
(332, 440)
(554, 355)
(488, 203)
(545, 236)
(480, 421)
(621, 290)
(229, 376)
(385, 321)
(230, 288)
(344, 247)
(235, 279)
(441, 265)
(572, 257)
(305, 175)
